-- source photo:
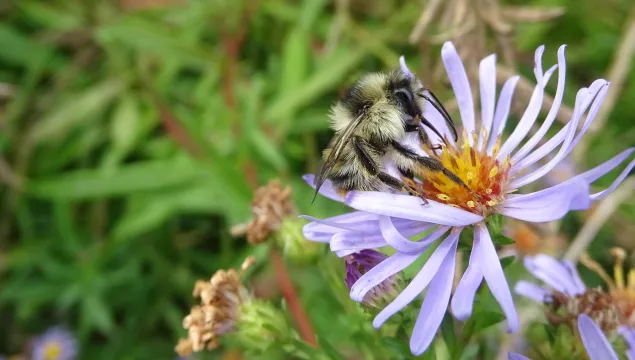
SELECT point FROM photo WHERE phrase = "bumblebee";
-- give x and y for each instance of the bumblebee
(368, 120)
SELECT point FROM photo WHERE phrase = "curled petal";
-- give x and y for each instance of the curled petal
(494, 276)
(410, 207)
(565, 136)
(595, 343)
(532, 110)
(461, 86)
(434, 305)
(354, 241)
(379, 273)
(373, 238)
(421, 281)
(400, 243)
(531, 143)
(531, 291)
(354, 221)
(327, 189)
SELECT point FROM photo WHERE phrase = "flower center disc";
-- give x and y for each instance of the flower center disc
(485, 176)
(52, 351)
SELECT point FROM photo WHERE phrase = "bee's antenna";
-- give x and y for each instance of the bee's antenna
(427, 123)
(441, 109)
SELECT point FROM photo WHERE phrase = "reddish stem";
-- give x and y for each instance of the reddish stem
(297, 311)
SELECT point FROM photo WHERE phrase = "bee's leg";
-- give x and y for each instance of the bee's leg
(430, 163)
(363, 151)
(423, 136)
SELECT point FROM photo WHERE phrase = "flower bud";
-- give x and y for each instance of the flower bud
(293, 243)
(259, 325)
(360, 263)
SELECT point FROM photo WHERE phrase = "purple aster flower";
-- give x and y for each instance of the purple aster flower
(596, 312)
(494, 170)
(56, 343)
(358, 264)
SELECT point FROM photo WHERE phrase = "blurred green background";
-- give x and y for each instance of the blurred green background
(133, 134)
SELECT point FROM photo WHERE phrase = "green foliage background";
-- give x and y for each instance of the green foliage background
(133, 139)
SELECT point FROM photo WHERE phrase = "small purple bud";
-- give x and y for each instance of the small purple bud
(360, 263)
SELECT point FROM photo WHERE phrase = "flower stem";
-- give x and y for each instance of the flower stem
(288, 291)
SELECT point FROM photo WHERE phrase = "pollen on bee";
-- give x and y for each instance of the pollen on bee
(471, 204)
(443, 197)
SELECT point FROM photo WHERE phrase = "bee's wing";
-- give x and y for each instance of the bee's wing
(337, 145)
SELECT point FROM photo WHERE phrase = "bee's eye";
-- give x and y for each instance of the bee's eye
(404, 96)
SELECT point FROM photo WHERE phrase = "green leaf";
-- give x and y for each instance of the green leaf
(447, 330)
(481, 320)
(508, 260)
(143, 176)
(96, 315)
(502, 240)
(20, 50)
(156, 38)
(83, 106)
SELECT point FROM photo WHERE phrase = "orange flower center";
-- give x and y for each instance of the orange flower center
(485, 176)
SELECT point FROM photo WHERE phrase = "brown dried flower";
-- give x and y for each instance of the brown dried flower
(595, 303)
(221, 298)
(272, 203)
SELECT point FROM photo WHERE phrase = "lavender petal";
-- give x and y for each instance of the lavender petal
(487, 79)
(532, 110)
(461, 86)
(410, 207)
(578, 285)
(381, 272)
(567, 144)
(553, 273)
(548, 204)
(463, 299)
(434, 305)
(597, 172)
(596, 344)
(515, 356)
(327, 190)
(629, 338)
(531, 291)
(421, 280)
(616, 183)
(546, 125)
(494, 276)
(400, 243)
(502, 111)
(353, 241)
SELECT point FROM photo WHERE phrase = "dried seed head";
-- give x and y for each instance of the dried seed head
(271, 205)
(221, 299)
(597, 304)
